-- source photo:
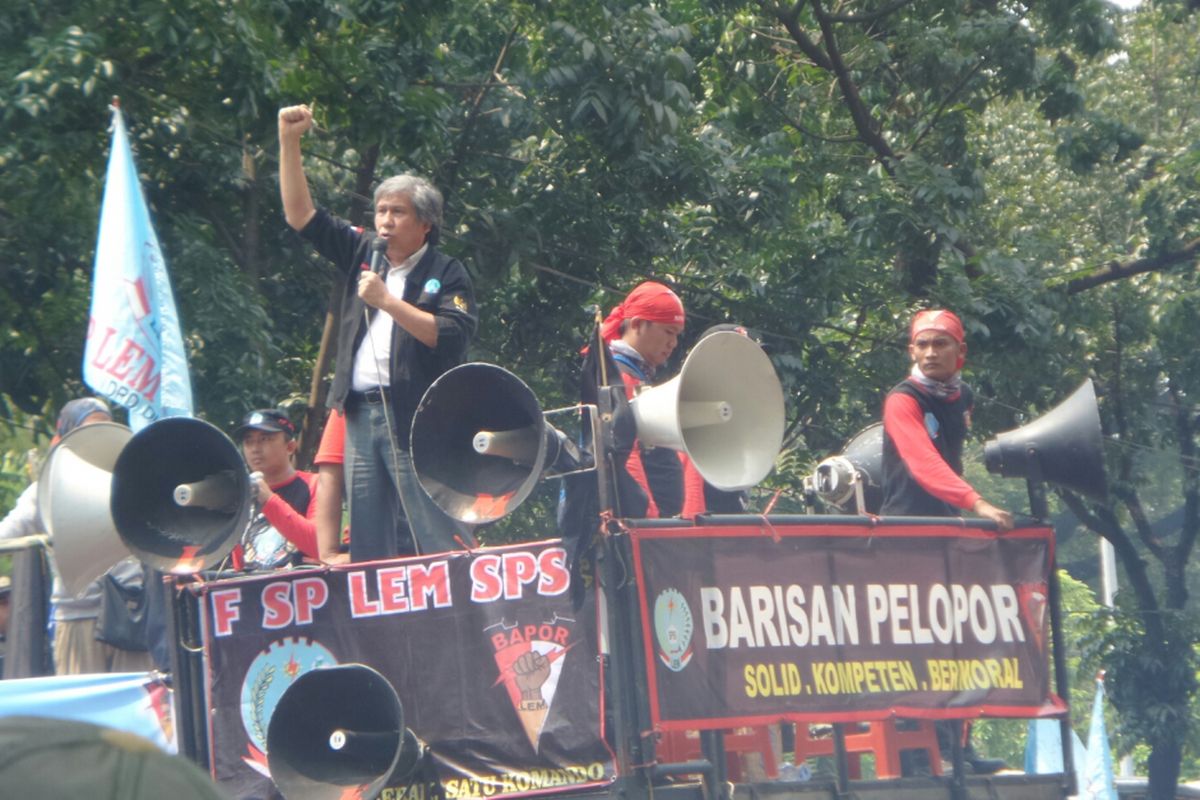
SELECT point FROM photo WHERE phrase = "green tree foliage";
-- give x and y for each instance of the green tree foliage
(815, 171)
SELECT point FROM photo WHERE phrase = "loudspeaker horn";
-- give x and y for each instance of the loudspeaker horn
(73, 498)
(1062, 447)
(180, 495)
(854, 477)
(480, 443)
(339, 732)
(724, 409)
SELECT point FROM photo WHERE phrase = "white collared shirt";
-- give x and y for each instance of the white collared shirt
(372, 360)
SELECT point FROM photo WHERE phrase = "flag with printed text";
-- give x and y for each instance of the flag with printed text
(134, 354)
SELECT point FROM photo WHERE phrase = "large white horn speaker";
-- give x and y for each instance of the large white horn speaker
(73, 497)
(480, 443)
(724, 409)
(180, 495)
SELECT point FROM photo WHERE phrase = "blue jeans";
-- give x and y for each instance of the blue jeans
(384, 494)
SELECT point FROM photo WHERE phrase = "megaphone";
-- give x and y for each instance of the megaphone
(180, 495)
(480, 443)
(724, 409)
(73, 498)
(339, 732)
(854, 477)
(1062, 447)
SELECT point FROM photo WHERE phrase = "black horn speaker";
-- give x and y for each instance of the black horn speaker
(339, 732)
(855, 474)
(180, 495)
(1062, 447)
(480, 443)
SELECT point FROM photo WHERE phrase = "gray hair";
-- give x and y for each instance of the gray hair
(424, 196)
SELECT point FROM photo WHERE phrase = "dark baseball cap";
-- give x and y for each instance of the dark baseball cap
(271, 420)
(103, 762)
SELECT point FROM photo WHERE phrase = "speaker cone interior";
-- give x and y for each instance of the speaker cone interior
(479, 442)
(335, 728)
(159, 459)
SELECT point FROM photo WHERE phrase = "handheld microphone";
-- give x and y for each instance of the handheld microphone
(378, 262)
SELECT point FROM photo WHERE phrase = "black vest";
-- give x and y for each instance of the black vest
(946, 424)
(664, 470)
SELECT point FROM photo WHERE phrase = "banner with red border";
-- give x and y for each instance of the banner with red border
(838, 623)
(498, 673)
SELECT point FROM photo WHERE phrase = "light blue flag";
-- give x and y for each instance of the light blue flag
(134, 354)
(1043, 749)
(1097, 773)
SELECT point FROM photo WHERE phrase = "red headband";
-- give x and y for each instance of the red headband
(937, 320)
(650, 301)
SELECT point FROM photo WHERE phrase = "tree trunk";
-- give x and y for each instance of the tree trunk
(1163, 765)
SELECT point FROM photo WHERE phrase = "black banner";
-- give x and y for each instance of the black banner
(833, 623)
(496, 670)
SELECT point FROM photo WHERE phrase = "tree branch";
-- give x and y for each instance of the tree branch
(460, 149)
(1105, 524)
(867, 129)
(1141, 523)
(1118, 270)
(790, 22)
(1177, 592)
(872, 16)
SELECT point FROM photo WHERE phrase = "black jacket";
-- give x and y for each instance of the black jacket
(438, 284)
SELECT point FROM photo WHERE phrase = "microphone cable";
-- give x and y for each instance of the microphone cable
(378, 256)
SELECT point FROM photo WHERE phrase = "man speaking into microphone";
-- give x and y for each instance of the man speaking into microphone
(408, 315)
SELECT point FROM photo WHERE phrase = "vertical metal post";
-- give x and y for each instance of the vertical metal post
(1040, 509)
(187, 667)
(840, 758)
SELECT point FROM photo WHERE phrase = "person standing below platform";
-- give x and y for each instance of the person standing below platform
(408, 315)
(283, 531)
(77, 648)
(925, 422)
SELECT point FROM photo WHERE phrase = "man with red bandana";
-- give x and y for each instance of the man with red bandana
(925, 422)
(641, 334)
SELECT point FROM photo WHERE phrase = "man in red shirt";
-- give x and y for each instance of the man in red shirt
(925, 422)
(641, 333)
(283, 530)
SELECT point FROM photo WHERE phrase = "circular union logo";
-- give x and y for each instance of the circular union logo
(673, 629)
(270, 674)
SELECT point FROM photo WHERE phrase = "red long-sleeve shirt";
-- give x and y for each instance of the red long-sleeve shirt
(904, 422)
(298, 528)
